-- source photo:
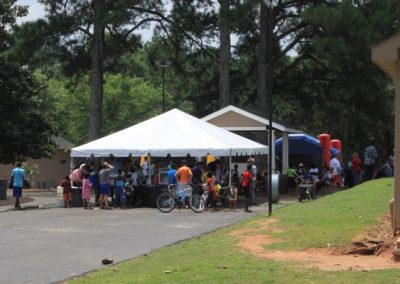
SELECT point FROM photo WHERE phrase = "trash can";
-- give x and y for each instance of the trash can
(76, 195)
(275, 188)
(3, 189)
(283, 184)
(60, 197)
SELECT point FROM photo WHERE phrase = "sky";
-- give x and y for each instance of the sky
(36, 11)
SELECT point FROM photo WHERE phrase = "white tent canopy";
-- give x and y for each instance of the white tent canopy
(175, 133)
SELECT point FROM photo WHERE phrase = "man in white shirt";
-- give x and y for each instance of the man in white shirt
(335, 167)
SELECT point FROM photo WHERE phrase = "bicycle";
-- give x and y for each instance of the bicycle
(222, 198)
(167, 201)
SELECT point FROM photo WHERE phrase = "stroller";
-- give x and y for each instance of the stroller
(305, 188)
(306, 191)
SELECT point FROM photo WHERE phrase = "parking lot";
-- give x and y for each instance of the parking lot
(49, 245)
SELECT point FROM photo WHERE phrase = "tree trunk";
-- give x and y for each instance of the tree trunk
(224, 54)
(97, 71)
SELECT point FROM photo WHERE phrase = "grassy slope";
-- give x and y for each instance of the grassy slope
(334, 219)
(214, 258)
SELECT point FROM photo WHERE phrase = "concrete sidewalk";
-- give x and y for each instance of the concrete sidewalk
(48, 199)
(43, 246)
(49, 245)
(42, 198)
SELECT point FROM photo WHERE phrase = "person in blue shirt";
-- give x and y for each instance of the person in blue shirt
(171, 175)
(18, 176)
(120, 196)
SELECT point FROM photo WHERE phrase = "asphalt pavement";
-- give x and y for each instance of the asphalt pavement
(51, 244)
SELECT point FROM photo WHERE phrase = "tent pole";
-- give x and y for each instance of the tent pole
(230, 168)
(71, 164)
(71, 167)
(149, 161)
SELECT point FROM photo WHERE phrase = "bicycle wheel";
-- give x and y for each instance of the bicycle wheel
(196, 203)
(165, 202)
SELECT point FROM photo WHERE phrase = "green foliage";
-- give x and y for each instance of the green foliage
(24, 115)
(215, 258)
(192, 76)
(329, 85)
(127, 101)
(9, 11)
(337, 83)
(30, 170)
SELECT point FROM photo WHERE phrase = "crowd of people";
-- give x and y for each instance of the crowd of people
(339, 174)
(97, 178)
(214, 179)
(211, 177)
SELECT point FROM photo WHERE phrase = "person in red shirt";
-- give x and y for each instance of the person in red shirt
(212, 191)
(247, 179)
(356, 168)
(67, 196)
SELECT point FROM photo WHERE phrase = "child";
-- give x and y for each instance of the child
(95, 185)
(120, 189)
(86, 191)
(212, 191)
(66, 185)
(233, 193)
(134, 177)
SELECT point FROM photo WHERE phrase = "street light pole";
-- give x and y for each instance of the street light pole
(270, 5)
(163, 65)
(163, 89)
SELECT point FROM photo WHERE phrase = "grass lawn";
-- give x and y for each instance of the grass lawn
(215, 258)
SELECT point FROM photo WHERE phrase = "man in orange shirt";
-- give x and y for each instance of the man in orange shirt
(184, 174)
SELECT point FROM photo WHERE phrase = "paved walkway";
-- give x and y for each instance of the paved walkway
(46, 199)
(49, 245)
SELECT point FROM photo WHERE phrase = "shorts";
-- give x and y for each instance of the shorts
(336, 179)
(105, 188)
(67, 196)
(17, 191)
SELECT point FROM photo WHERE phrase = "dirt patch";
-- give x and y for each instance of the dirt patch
(324, 258)
(376, 240)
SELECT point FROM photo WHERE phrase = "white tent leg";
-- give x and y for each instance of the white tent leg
(230, 169)
(71, 167)
(149, 161)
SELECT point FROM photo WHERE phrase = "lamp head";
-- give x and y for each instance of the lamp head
(269, 3)
(163, 64)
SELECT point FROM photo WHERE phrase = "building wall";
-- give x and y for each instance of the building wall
(51, 171)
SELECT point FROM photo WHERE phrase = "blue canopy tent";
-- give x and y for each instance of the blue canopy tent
(303, 148)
